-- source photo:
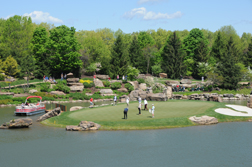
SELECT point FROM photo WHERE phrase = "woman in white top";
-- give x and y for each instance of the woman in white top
(145, 104)
(152, 110)
(139, 108)
(127, 101)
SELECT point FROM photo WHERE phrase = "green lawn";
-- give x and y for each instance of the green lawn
(167, 115)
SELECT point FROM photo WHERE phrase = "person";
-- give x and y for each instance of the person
(94, 77)
(117, 77)
(91, 102)
(126, 78)
(202, 79)
(65, 76)
(54, 80)
(125, 111)
(145, 104)
(139, 108)
(139, 99)
(127, 101)
(27, 104)
(123, 77)
(109, 78)
(62, 76)
(44, 78)
(152, 110)
(22, 105)
(115, 99)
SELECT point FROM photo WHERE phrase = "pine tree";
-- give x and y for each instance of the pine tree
(249, 55)
(173, 56)
(227, 67)
(137, 59)
(119, 58)
(218, 48)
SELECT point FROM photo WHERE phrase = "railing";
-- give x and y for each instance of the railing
(62, 107)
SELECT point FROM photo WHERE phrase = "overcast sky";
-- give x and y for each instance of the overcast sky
(136, 15)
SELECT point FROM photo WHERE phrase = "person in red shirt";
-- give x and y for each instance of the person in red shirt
(91, 102)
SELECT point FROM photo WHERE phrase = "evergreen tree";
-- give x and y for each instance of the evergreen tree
(27, 67)
(227, 67)
(173, 56)
(219, 48)
(137, 59)
(249, 55)
(119, 58)
(10, 66)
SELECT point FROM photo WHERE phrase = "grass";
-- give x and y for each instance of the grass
(167, 115)
(18, 82)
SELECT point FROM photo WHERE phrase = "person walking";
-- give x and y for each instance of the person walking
(115, 99)
(139, 99)
(123, 78)
(139, 108)
(145, 104)
(125, 111)
(91, 102)
(62, 76)
(152, 110)
(117, 77)
(127, 101)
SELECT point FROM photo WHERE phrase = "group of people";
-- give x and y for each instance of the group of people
(63, 76)
(125, 111)
(50, 79)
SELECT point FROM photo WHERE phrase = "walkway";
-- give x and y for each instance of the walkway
(33, 83)
(238, 111)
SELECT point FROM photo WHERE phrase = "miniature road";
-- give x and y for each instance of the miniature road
(238, 111)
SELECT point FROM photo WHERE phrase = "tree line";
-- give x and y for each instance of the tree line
(43, 49)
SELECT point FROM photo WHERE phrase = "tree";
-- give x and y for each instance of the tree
(120, 58)
(40, 52)
(145, 39)
(149, 52)
(156, 69)
(10, 66)
(63, 49)
(132, 72)
(28, 67)
(136, 55)
(173, 57)
(219, 47)
(249, 55)
(227, 67)
(196, 47)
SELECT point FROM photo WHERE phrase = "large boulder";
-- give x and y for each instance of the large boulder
(84, 126)
(159, 85)
(143, 86)
(143, 76)
(102, 77)
(17, 123)
(168, 92)
(98, 83)
(123, 90)
(162, 75)
(214, 98)
(172, 83)
(134, 83)
(177, 96)
(70, 75)
(106, 91)
(134, 95)
(204, 120)
(72, 80)
(186, 81)
(75, 108)
(53, 113)
(123, 98)
(76, 88)
(156, 97)
(57, 93)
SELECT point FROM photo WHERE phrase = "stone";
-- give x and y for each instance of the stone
(98, 83)
(215, 98)
(142, 94)
(156, 97)
(143, 76)
(76, 88)
(102, 77)
(249, 103)
(123, 98)
(204, 120)
(72, 80)
(75, 108)
(162, 75)
(193, 96)
(123, 90)
(33, 91)
(239, 96)
(17, 123)
(177, 96)
(187, 85)
(74, 84)
(168, 92)
(228, 95)
(7, 93)
(243, 83)
(84, 126)
(21, 95)
(172, 83)
(57, 93)
(106, 91)
(70, 75)
(142, 86)
(113, 81)
(53, 113)
(133, 95)
(159, 85)
(134, 83)
(186, 81)
(184, 97)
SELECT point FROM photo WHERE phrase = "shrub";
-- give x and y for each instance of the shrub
(1, 77)
(45, 98)
(88, 84)
(106, 83)
(140, 80)
(119, 93)
(116, 85)
(62, 87)
(3, 97)
(44, 87)
(96, 96)
(19, 99)
(64, 82)
(129, 87)
(79, 96)
(6, 101)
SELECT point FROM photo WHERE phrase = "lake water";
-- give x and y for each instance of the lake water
(224, 144)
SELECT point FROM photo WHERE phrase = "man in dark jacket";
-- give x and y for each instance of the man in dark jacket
(125, 111)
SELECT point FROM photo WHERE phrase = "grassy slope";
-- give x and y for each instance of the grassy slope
(167, 115)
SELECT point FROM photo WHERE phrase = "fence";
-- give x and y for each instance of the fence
(62, 107)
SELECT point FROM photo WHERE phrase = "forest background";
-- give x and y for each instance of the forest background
(43, 49)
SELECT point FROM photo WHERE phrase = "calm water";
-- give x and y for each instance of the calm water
(225, 144)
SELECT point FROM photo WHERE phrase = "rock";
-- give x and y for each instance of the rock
(243, 83)
(142, 94)
(156, 97)
(186, 81)
(84, 126)
(75, 108)
(187, 85)
(228, 95)
(162, 75)
(172, 83)
(134, 83)
(74, 84)
(113, 81)
(184, 97)
(123, 90)
(143, 76)
(10, 79)
(133, 95)
(106, 91)
(177, 96)
(102, 77)
(57, 93)
(7, 93)
(17, 123)
(98, 83)
(143, 86)
(32, 91)
(123, 98)
(53, 113)
(215, 98)
(70, 75)
(159, 85)
(72, 80)
(239, 96)
(220, 99)
(249, 103)
(76, 88)
(168, 92)
(21, 95)
(193, 96)
(204, 120)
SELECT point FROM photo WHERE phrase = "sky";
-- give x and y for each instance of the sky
(136, 15)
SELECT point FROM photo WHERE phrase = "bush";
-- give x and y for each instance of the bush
(19, 99)
(6, 101)
(119, 93)
(129, 87)
(3, 97)
(45, 98)
(62, 87)
(106, 83)
(116, 85)
(45, 87)
(79, 96)
(96, 96)
(140, 80)
(1, 77)
(88, 84)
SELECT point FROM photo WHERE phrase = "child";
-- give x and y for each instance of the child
(91, 102)
(127, 101)
(145, 104)
(152, 110)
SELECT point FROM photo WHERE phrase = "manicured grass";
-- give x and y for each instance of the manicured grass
(167, 115)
